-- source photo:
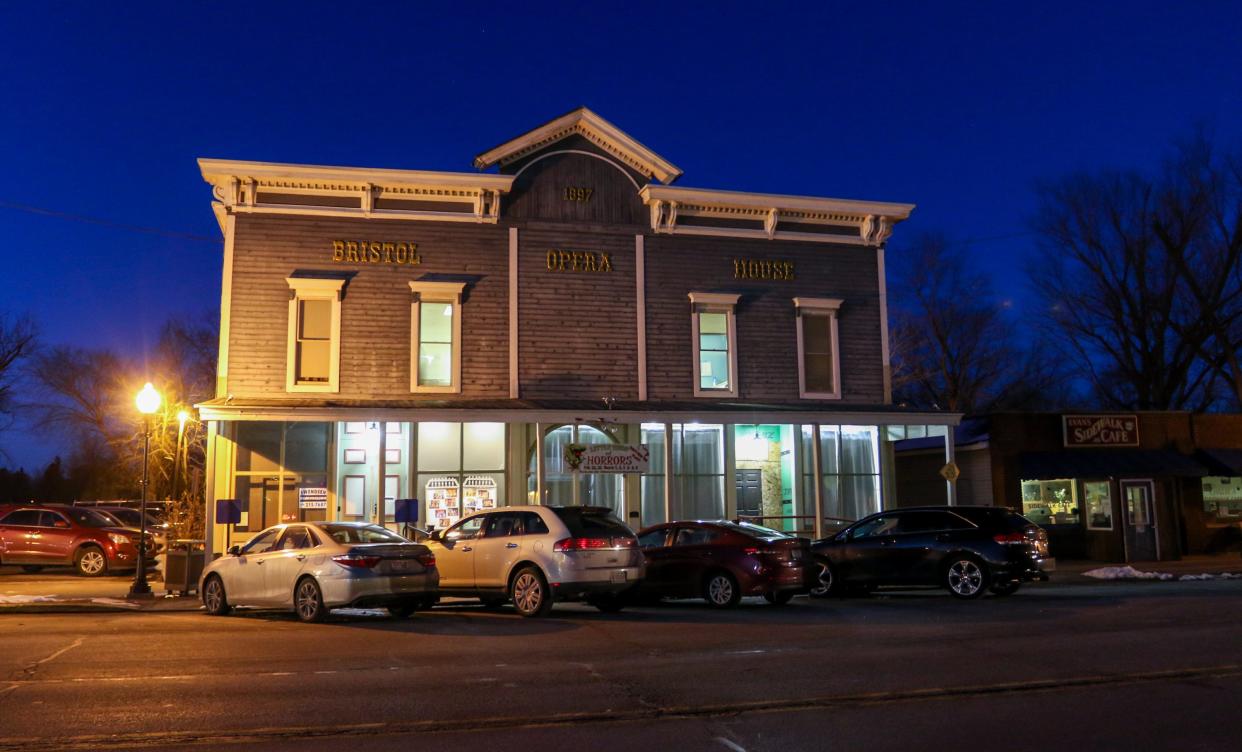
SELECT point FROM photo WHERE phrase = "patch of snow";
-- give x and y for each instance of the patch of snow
(1220, 576)
(28, 599)
(1125, 573)
(114, 602)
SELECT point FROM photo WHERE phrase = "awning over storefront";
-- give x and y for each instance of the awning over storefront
(1109, 463)
(1223, 462)
(554, 411)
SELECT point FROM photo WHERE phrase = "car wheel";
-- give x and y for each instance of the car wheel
(493, 602)
(32, 568)
(779, 598)
(965, 577)
(720, 590)
(308, 601)
(214, 599)
(826, 583)
(403, 610)
(529, 593)
(1008, 588)
(90, 561)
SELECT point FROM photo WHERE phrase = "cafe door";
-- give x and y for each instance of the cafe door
(1138, 497)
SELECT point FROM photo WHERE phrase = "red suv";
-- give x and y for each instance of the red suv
(47, 535)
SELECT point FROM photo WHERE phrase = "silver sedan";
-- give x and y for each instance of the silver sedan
(316, 566)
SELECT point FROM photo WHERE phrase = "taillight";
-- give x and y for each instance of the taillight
(356, 561)
(427, 560)
(1010, 539)
(566, 545)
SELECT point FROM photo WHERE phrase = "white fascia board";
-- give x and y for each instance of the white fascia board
(457, 415)
(743, 199)
(587, 121)
(215, 170)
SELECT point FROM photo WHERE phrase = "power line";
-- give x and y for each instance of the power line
(107, 222)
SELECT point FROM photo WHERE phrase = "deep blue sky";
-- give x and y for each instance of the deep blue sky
(957, 107)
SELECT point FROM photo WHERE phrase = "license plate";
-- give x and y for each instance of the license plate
(620, 576)
(397, 565)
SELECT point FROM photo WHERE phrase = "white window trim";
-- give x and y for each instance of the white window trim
(710, 302)
(819, 307)
(314, 288)
(435, 292)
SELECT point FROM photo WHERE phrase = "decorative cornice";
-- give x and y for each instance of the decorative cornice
(595, 129)
(237, 187)
(871, 222)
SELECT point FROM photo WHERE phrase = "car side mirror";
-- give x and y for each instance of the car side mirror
(234, 550)
(435, 535)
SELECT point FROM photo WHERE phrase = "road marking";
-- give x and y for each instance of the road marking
(220, 737)
(731, 745)
(60, 652)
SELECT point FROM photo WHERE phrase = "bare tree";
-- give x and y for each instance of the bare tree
(17, 340)
(1142, 282)
(955, 345)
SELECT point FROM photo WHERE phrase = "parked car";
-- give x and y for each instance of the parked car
(317, 566)
(132, 518)
(722, 561)
(536, 555)
(37, 536)
(966, 549)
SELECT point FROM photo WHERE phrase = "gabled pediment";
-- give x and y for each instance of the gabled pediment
(594, 128)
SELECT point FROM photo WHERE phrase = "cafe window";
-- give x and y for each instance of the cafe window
(1050, 502)
(819, 368)
(435, 336)
(714, 334)
(313, 359)
(1222, 499)
(1099, 501)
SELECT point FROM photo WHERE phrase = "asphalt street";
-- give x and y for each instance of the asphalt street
(1111, 666)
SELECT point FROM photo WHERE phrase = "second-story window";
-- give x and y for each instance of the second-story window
(313, 356)
(819, 366)
(715, 344)
(435, 336)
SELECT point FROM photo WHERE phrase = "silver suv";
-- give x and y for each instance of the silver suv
(535, 555)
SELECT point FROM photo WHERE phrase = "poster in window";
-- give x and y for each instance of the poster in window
(478, 493)
(443, 502)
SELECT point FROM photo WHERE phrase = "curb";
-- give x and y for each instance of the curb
(91, 607)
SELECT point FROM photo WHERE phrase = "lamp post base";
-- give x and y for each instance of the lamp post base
(139, 595)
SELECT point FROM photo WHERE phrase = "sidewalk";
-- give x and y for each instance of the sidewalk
(63, 592)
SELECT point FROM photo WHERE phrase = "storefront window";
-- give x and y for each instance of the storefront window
(1050, 502)
(1222, 498)
(1098, 495)
(460, 470)
(698, 467)
(850, 462)
(653, 480)
(565, 487)
(274, 461)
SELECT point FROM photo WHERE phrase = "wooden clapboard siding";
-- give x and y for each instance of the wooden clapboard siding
(578, 337)
(766, 333)
(539, 192)
(375, 311)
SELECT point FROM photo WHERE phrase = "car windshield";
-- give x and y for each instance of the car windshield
(131, 517)
(91, 518)
(361, 534)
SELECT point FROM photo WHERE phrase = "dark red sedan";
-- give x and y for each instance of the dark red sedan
(722, 561)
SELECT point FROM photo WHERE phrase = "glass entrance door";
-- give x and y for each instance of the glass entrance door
(1141, 543)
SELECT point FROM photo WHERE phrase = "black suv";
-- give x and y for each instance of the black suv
(966, 549)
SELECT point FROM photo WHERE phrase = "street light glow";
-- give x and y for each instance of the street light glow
(182, 417)
(148, 400)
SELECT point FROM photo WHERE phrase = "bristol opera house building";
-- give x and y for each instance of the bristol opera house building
(479, 339)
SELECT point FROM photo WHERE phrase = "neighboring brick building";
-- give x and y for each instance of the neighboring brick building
(1107, 486)
(395, 334)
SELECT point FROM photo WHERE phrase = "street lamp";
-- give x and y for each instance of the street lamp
(148, 401)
